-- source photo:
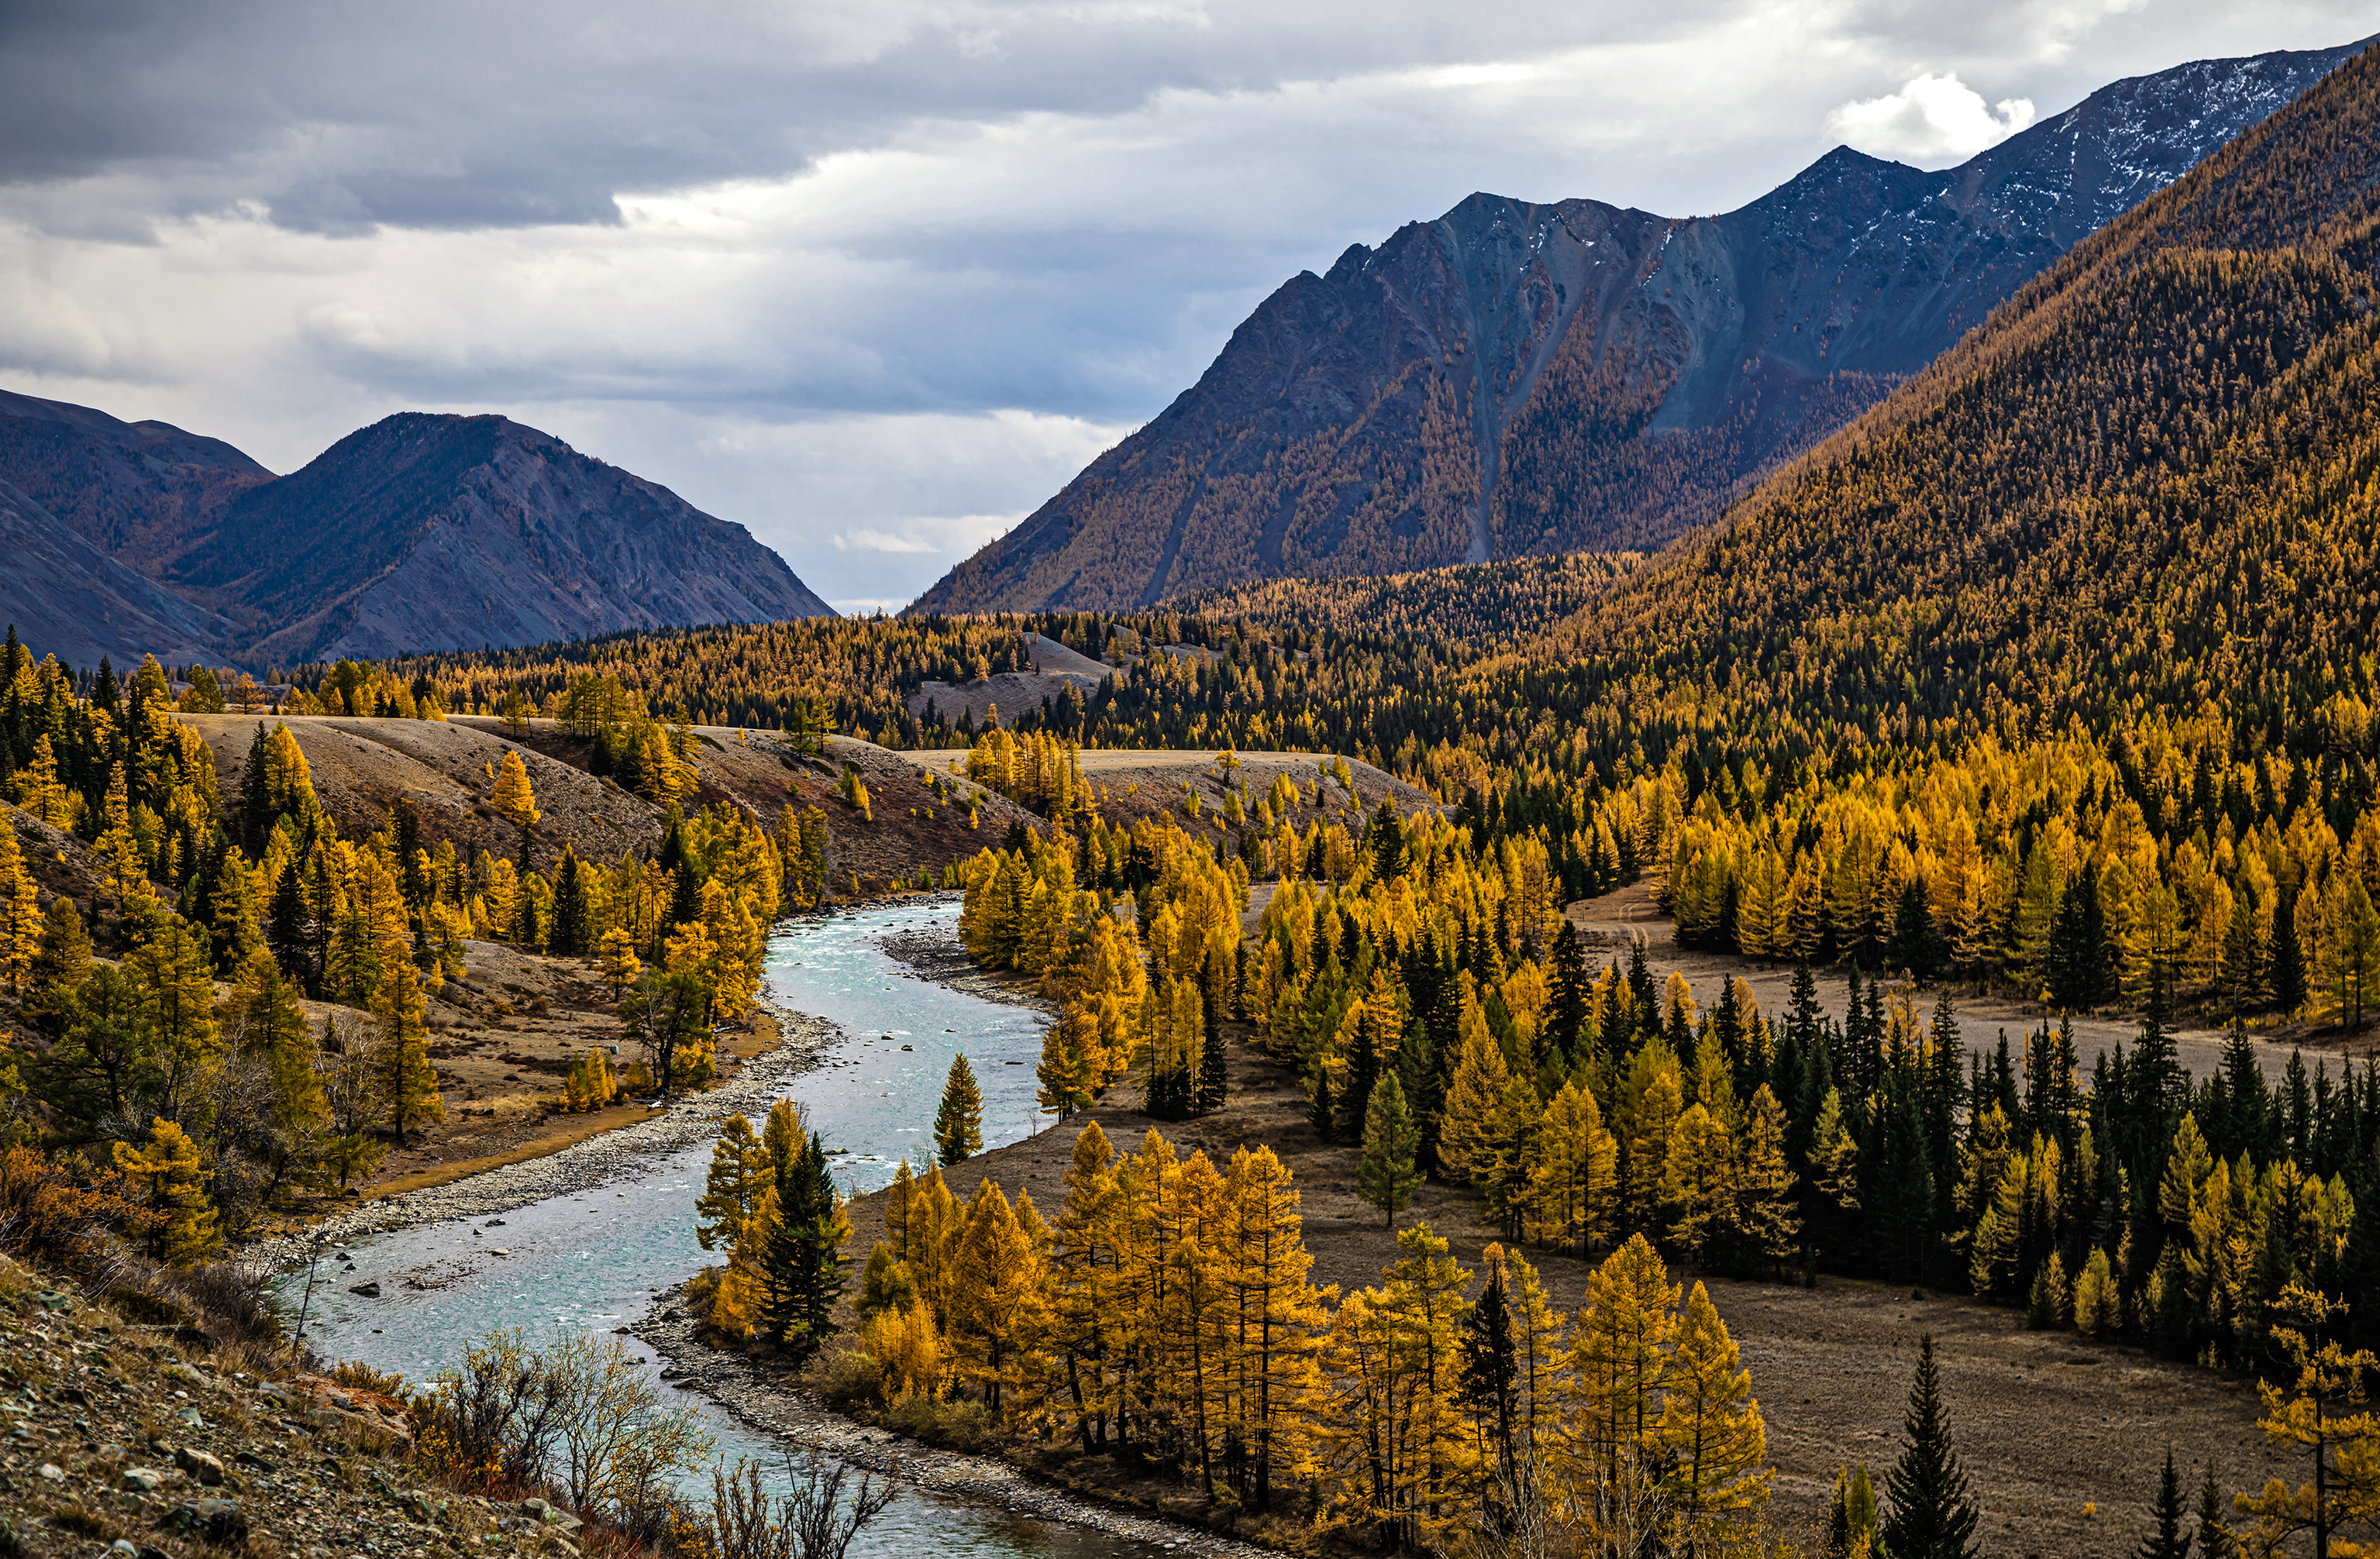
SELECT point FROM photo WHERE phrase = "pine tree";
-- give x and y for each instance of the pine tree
(2168, 1540)
(2214, 1540)
(1931, 1509)
(255, 796)
(1491, 1379)
(958, 1125)
(803, 1258)
(1387, 1175)
(1213, 1082)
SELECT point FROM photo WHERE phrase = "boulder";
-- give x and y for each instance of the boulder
(215, 1521)
(201, 1465)
(144, 1479)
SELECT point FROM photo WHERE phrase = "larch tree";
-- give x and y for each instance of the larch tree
(182, 1227)
(1620, 1363)
(1276, 1316)
(1711, 1431)
(514, 801)
(21, 912)
(408, 1081)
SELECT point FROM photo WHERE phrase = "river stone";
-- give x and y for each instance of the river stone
(215, 1520)
(142, 1480)
(201, 1465)
(550, 1513)
(367, 1290)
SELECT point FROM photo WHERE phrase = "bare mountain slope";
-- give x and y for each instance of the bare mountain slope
(419, 533)
(136, 490)
(64, 597)
(1516, 379)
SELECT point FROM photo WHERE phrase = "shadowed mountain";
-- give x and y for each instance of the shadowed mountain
(421, 532)
(65, 597)
(432, 531)
(1516, 379)
(136, 490)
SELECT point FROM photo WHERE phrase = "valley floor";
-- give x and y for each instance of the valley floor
(2064, 1438)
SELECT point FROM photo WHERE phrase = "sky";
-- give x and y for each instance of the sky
(875, 278)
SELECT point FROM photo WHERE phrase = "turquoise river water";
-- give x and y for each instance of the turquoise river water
(599, 1257)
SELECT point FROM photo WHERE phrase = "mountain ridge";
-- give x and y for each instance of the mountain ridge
(1518, 377)
(424, 531)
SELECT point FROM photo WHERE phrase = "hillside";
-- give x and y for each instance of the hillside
(70, 599)
(138, 491)
(419, 533)
(1519, 377)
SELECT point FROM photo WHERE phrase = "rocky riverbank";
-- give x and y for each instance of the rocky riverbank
(934, 952)
(582, 1165)
(775, 1407)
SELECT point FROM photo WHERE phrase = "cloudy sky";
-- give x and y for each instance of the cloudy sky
(876, 277)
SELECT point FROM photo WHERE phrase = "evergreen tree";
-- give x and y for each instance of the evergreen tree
(1214, 1083)
(286, 928)
(1931, 1511)
(804, 1259)
(1491, 1379)
(572, 917)
(2289, 960)
(1387, 1175)
(2168, 1540)
(1567, 1013)
(2214, 1536)
(958, 1125)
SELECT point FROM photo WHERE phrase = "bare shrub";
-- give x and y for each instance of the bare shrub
(818, 1519)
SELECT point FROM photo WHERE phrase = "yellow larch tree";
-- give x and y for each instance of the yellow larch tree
(1716, 1444)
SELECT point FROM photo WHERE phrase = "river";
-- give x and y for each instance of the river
(596, 1258)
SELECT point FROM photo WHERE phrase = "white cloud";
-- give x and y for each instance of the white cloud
(1933, 119)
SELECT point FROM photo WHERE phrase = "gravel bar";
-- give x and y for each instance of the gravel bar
(597, 1160)
(731, 1379)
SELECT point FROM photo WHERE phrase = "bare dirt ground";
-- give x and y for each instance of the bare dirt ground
(1609, 924)
(2046, 1421)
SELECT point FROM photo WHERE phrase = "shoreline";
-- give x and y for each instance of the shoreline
(582, 1164)
(731, 1380)
(746, 1394)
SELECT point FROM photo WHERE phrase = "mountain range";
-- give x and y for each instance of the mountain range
(1519, 379)
(420, 532)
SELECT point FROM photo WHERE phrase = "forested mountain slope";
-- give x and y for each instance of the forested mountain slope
(2145, 484)
(419, 533)
(1518, 378)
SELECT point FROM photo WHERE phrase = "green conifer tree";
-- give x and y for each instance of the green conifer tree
(1931, 1509)
(1388, 1174)
(958, 1125)
(2167, 1541)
